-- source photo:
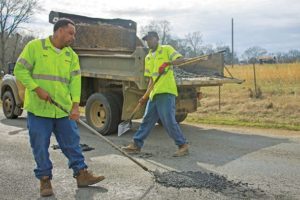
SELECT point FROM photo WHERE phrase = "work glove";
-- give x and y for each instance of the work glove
(162, 69)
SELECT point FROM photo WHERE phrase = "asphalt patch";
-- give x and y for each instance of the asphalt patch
(145, 155)
(84, 147)
(211, 181)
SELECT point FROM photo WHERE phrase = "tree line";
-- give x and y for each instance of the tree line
(192, 45)
(13, 13)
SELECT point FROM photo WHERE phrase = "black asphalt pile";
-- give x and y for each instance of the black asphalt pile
(145, 155)
(84, 147)
(213, 182)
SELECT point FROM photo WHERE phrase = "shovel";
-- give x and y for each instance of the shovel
(127, 125)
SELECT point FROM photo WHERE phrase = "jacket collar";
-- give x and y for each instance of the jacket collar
(48, 43)
(158, 50)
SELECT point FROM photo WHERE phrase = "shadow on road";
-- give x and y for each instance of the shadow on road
(20, 122)
(207, 146)
(89, 192)
(47, 198)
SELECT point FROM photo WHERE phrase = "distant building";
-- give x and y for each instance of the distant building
(243, 62)
(267, 59)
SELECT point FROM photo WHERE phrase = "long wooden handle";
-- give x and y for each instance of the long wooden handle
(192, 60)
(145, 96)
(198, 58)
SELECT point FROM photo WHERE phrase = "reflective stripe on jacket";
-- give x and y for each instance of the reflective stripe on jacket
(58, 73)
(153, 60)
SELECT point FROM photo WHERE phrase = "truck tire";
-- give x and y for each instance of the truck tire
(118, 99)
(179, 118)
(102, 113)
(9, 105)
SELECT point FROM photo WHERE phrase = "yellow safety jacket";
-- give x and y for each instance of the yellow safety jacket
(153, 60)
(58, 73)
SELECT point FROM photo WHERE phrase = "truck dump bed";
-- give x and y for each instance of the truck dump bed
(100, 34)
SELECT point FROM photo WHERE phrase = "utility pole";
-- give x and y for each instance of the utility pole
(254, 79)
(232, 57)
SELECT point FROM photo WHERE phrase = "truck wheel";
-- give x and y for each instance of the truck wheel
(179, 118)
(102, 113)
(9, 105)
(118, 100)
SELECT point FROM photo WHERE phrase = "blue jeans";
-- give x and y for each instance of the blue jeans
(161, 107)
(67, 136)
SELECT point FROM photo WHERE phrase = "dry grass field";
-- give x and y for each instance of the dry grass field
(277, 104)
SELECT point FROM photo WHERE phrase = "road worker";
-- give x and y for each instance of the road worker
(161, 102)
(49, 69)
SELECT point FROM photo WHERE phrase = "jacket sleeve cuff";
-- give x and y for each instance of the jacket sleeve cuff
(32, 86)
(75, 99)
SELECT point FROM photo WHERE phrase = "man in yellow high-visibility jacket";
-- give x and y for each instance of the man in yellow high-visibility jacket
(49, 69)
(161, 105)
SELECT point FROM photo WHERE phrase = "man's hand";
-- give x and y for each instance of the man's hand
(143, 100)
(163, 67)
(75, 114)
(42, 94)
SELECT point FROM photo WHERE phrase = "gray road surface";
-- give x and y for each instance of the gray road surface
(265, 161)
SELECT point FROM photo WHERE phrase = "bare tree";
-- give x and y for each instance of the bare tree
(227, 54)
(180, 45)
(13, 13)
(208, 49)
(15, 40)
(16, 43)
(194, 40)
(252, 53)
(162, 27)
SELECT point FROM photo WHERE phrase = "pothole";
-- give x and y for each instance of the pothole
(211, 181)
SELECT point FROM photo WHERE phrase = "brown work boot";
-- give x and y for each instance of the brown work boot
(86, 178)
(132, 148)
(45, 187)
(182, 150)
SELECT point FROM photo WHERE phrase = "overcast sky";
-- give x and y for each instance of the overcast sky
(271, 24)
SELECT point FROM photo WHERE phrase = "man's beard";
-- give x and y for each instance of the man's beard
(69, 43)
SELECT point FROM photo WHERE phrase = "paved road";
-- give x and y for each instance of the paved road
(266, 161)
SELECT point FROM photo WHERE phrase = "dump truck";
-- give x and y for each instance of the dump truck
(112, 68)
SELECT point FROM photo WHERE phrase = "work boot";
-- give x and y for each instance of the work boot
(132, 148)
(45, 187)
(182, 150)
(85, 178)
